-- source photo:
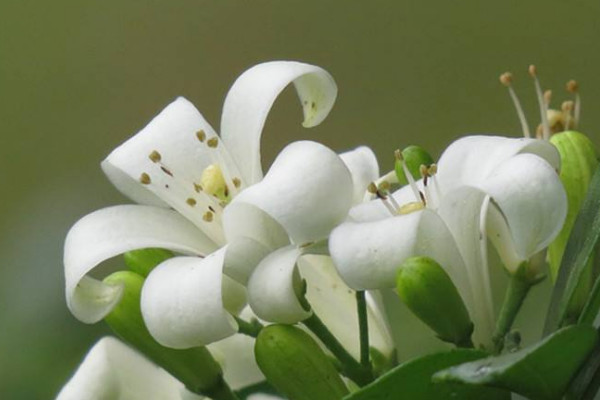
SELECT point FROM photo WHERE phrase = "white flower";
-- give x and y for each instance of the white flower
(112, 370)
(185, 175)
(506, 188)
(308, 191)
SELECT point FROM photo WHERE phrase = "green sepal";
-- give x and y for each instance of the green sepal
(412, 380)
(578, 158)
(541, 371)
(427, 290)
(296, 366)
(195, 367)
(414, 156)
(143, 261)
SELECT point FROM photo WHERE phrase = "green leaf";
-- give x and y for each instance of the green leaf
(583, 239)
(412, 380)
(541, 372)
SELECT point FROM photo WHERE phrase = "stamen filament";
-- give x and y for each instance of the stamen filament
(408, 175)
(506, 80)
(542, 103)
(573, 87)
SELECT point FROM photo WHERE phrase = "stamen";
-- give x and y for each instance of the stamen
(547, 98)
(155, 156)
(201, 135)
(506, 79)
(208, 216)
(191, 202)
(425, 174)
(573, 87)
(567, 108)
(372, 188)
(408, 175)
(423, 199)
(145, 179)
(540, 96)
(213, 142)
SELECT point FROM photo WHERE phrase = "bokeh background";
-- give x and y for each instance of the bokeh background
(79, 77)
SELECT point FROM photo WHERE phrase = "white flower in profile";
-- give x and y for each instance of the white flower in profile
(184, 175)
(112, 370)
(505, 189)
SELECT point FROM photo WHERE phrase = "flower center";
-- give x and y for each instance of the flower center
(424, 198)
(213, 183)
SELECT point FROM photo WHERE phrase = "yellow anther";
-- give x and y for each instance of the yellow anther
(145, 179)
(411, 207)
(155, 156)
(432, 169)
(201, 135)
(213, 142)
(372, 188)
(506, 79)
(213, 182)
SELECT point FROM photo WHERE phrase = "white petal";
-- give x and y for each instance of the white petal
(183, 158)
(235, 354)
(182, 302)
(308, 190)
(368, 254)
(470, 160)
(461, 210)
(243, 255)
(375, 209)
(335, 304)
(275, 286)
(112, 231)
(531, 197)
(250, 99)
(363, 166)
(112, 370)
(244, 220)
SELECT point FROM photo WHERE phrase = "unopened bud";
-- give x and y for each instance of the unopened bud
(578, 162)
(296, 366)
(429, 293)
(414, 157)
(195, 367)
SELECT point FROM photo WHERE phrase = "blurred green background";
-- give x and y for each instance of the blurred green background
(79, 77)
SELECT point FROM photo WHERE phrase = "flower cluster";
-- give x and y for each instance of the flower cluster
(317, 242)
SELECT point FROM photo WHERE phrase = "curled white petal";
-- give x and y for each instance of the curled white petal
(182, 302)
(368, 254)
(308, 190)
(112, 370)
(461, 211)
(250, 99)
(243, 220)
(531, 197)
(470, 160)
(112, 231)
(275, 287)
(364, 168)
(243, 255)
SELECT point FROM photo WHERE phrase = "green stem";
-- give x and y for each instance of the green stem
(350, 367)
(220, 391)
(363, 328)
(518, 287)
(251, 328)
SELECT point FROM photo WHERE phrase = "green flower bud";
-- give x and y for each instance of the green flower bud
(429, 293)
(578, 163)
(143, 261)
(296, 366)
(195, 368)
(414, 157)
